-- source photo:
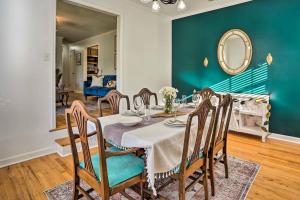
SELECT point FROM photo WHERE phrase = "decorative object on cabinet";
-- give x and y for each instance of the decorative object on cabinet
(205, 62)
(251, 114)
(269, 59)
(234, 51)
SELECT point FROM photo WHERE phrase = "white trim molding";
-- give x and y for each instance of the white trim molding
(119, 30)
(26, 156)
(286, 138)
(215, 6)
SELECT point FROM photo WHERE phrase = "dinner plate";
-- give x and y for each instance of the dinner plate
(175, 123)
(130, 120)
(191, 105)
(132, 113)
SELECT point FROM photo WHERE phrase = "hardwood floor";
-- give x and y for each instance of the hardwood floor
(60, 118)
(279, 176)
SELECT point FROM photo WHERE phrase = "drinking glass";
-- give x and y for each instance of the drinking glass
(147, 114)
(183, 100)
(195, 99)
(164, 101)
(176, 106)
(138, 104)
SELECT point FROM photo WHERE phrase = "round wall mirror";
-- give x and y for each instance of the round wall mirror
(234, 51)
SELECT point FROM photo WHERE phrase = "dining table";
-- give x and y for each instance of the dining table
(163, 144)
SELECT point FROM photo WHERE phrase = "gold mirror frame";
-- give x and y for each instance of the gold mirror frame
(248, 53)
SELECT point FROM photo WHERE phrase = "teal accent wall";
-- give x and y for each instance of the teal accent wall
(273, 26)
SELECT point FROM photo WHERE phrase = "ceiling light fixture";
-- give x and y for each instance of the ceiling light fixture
(156, 6)
(181, 5)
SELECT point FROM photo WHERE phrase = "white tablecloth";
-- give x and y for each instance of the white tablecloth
(163, 144)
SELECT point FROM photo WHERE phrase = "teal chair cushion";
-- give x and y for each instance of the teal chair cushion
(119, 168)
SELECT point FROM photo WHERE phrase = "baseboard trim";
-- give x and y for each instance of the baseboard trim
(26, 156)
(46, 151)
(284, 138)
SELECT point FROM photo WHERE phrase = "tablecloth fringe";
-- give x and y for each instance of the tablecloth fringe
(116, 145)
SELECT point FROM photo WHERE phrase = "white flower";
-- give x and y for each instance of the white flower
(168, 92)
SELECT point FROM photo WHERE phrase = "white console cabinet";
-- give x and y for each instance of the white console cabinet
(250, 114)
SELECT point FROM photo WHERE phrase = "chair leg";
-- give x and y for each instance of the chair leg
(105, 196)
(142, 190)
(211, 174)
(181, 188)
(75, 190)
(225, 162)
(205, 180)
(153, 197)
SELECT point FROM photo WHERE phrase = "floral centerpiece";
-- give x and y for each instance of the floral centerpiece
(169, 94)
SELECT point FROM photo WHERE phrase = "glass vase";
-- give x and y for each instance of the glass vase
(168, 105)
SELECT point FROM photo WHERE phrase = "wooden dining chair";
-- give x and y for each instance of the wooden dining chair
(109, 171)
(219, 138)
(190, 165)
(145, 94)
(208, 93)
(113, 98)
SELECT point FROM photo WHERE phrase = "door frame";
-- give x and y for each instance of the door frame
(119, 71)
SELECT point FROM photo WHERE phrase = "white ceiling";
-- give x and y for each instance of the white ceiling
(78, 23)
(193, 7)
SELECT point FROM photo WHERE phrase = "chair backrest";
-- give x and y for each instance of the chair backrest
(81, 116)
(208, 93)
(113, 97)
(145, 94)
(204, 130)
(223, 120)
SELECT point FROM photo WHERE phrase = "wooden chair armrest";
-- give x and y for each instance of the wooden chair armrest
(88, 135)
(92, 133)
(121, 153)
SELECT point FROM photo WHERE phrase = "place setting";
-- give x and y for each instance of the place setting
(175, 122)
(138, 110)
(135, 116)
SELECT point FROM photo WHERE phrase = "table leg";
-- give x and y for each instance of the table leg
(67, 99)
(62, 99)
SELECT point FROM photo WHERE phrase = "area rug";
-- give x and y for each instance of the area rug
(241, 176)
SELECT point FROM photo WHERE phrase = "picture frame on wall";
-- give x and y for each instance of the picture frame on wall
(78, 58)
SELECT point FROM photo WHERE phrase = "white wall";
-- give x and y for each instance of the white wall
(26, 78)
(26, 73)
(106, 42)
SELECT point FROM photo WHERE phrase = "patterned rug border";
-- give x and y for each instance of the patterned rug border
(244, 194)
(251, 180)
(53, 188)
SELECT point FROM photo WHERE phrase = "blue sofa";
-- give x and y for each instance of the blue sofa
(98, 91)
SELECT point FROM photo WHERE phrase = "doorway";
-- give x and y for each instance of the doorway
(87, 47)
